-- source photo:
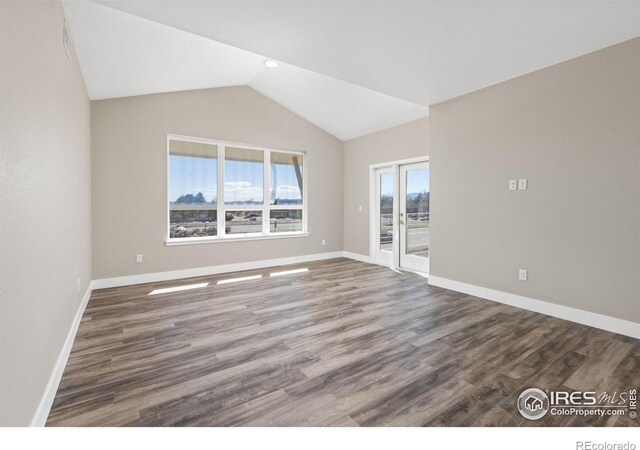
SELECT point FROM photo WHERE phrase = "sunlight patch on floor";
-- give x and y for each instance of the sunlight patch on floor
(289, 272)
(178, 288)
(238, 280)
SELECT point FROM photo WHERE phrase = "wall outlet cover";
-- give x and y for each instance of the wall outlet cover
(522, 184)
(522, 275)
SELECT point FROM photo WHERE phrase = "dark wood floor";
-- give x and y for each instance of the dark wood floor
(346, 344)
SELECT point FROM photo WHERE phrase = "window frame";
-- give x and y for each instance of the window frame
(220, 206)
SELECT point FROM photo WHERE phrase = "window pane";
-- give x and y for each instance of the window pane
(386, 212)
(285, 220)
(417, 240)
(192, 173)
(192, 223)
(286, 179)
(243, 176)
(239, 222)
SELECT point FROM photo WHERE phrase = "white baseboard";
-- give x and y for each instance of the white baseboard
(211, 270)
(607, 323)
(595, 320)
(40, 417)
(358, 257)
(44, 407)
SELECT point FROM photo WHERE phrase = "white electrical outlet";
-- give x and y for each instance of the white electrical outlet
(138, 258)
(359, 208)
(78, 285)
(324, 242)
(513, 185)
(522, 275)
(522, 184)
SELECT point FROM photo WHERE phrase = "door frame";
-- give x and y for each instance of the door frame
(373, 208)
(380, 256)
(408, 261)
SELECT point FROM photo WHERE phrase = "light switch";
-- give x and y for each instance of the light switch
(522, 184)
(359, 208)
(513, 185)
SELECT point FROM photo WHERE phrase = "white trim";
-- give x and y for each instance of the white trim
(377, 255)
(367, 259)
(591, 319)
(44, 407)
(211, 270)
(221, 207)
(600, 321)
(222, 217)
(201, 140)
(374, 196)
(266, 188)
(396, 216)
(358, 257)
(200, 207)
(416, 159)
(417, 272)
(406, 260)
(373, 211)
(234, 238)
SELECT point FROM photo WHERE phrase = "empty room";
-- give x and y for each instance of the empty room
(320, 214)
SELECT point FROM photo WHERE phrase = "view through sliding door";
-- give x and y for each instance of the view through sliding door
(400, 226)
(414, 217)
(384, 234)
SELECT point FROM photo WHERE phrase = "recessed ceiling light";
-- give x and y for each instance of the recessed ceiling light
(270, 63)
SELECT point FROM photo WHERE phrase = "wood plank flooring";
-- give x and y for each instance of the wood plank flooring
(345, 344)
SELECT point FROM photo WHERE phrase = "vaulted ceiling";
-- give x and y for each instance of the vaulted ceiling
(349, 67)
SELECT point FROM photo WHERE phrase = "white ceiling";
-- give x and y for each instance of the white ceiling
(343, 109)
(421, 52)
(123, 55)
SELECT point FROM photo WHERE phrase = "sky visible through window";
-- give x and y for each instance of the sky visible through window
(417, 182)
(189, 175)
(243, 180)
(284, 185)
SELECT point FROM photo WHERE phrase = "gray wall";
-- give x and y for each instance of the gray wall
(129, 177)
(405, 141)
(573, 130)
(45, 209)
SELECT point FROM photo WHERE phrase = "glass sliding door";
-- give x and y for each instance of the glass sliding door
(384, 233)
(414, 217)
(400, 208)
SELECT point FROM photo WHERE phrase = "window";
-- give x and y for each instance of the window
(285, 220)
(222, 191)
(192, 189)
(243, 176)
(386, 211)
(286, 179)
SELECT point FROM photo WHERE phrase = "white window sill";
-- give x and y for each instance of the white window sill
(234, 238)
